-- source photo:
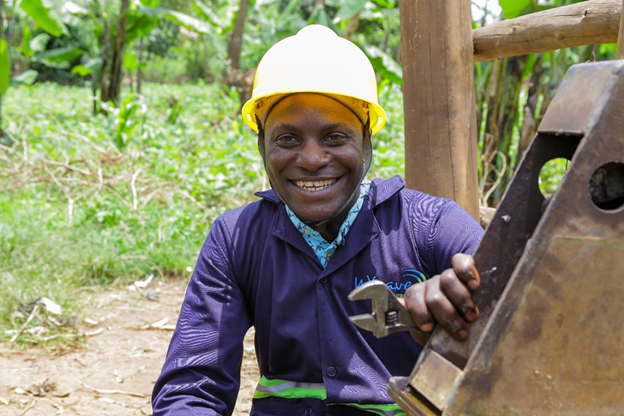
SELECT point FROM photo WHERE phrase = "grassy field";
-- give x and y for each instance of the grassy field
(87, 201)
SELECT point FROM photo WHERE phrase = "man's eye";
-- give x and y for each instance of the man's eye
(286, 140)
(336, 139)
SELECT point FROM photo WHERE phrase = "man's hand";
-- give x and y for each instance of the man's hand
(445, 298)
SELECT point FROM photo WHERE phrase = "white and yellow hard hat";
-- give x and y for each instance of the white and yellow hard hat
(319, 61)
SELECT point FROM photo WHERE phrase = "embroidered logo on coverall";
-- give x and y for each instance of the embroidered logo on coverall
(408, 274)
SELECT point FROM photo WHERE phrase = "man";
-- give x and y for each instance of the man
(286, 263)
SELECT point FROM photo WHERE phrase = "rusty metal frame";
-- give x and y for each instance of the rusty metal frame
(535, 259)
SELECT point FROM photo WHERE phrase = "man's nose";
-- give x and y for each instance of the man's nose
(313, 156)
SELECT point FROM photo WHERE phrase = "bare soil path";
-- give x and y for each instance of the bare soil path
(113, 374)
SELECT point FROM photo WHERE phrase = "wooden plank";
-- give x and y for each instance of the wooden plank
(586, 23)
(620, 48)
(438, 98)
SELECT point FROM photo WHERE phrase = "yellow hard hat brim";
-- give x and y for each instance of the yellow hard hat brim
(376, 113)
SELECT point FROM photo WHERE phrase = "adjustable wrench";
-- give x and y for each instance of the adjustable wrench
(388, 315)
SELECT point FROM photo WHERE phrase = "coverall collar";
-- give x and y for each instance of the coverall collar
(365, 227)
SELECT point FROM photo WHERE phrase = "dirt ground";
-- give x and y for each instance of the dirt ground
(113, 374)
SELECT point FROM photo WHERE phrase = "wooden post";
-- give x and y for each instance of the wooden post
(619, 54)
(438, 99)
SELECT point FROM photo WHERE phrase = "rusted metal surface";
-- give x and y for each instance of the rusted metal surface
(564, 345)
(435, 378)
(411, 402)
(573, 112)
(549, 340)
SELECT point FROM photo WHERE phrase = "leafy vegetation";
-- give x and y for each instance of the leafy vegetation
(91, 200)
(513, 94)
(121, 139)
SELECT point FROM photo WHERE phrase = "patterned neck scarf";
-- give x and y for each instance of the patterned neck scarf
(315, 240)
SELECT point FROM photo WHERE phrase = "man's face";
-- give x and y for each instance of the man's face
(314, 154)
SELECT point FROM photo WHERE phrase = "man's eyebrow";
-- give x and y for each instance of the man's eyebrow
(326, 128)
(336, 126)
(286, 126)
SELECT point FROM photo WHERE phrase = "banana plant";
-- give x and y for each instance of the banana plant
(141, 17)
(47, 18)
(513, 95)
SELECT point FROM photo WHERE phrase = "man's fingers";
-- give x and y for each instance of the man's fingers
(459, 295)
(415, 302)
(464, 267)
(446, 298)
(444, 312)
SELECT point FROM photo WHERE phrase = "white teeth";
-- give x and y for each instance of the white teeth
(315, 186)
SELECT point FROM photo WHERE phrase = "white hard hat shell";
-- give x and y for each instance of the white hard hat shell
(319, 61)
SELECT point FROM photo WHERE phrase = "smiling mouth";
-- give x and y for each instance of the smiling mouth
(315, 186)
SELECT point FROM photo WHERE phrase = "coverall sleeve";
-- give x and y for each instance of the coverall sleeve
(201, 374)
(452, 231)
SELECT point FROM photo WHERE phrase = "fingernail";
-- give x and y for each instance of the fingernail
(427, 327)
(472, 316)
(473, 284)
(462, 334)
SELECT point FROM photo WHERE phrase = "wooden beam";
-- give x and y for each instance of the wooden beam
(438, 99)
(620, 48)
(586, 23)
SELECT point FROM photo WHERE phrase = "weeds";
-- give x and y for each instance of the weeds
(90, 200)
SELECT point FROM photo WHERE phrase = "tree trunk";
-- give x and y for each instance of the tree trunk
(491, 135)
(352, 26)
(529, 124)
(438, 98)
(94, 88)
(9, 29)
(104, 97)
(236, 40)
(139, 71)
(505, 83)
(118, 54)
(507, 116)
(2, 19)
(481, 90)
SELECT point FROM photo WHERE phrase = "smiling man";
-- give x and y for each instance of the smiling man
(286, 263)
(314, 150)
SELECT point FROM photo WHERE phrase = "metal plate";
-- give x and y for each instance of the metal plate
(580, 98)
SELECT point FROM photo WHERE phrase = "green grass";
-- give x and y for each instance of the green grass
(88, 201)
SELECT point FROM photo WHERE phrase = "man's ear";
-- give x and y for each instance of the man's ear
(366, 130)
(262, 150)
(261, 145)
(367, 146)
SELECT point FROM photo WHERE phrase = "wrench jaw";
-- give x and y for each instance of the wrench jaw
(365, 321)
(368, 290)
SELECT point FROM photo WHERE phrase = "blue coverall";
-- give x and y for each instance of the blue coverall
(256, 269)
